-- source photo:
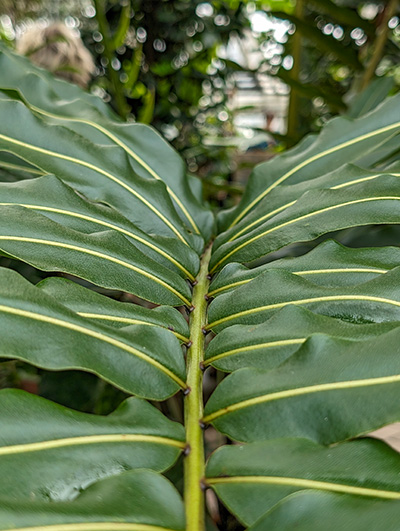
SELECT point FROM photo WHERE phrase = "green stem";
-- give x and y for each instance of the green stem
(116, 86)
(379, 44)
(194, 461)
(293, 115)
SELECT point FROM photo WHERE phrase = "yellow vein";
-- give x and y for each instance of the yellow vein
(299, 218)
(214, 292)
(309, 161)
(129, 320)
(134, 155)
(303, 301)
(89, 439)
(26, 169)
(290, 393)
(105, 224)
(257, 346)
(102, 172)
(304, 272)
(307, 484)
(98, 255)
(261, 219)
(363, 179)
(96, 335)
(95, 526)
(340, 270)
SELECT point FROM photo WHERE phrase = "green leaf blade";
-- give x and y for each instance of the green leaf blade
(375, 301)
(270, 343)
(63, 205)
(330, 390)
(87, 303)
(104, 258)
(342, 140)
(142, 360)
(253, 479)
(317, 212)
(139, 500)
(51, 453)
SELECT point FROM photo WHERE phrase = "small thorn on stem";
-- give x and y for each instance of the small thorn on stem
(195, 282)
(203, 484)
(189, 344)
(186, 450)
(186, 391)
(206, 297)
(209, 277)
(202, 425)
(204, 331)
(191, 309)
(202, 366)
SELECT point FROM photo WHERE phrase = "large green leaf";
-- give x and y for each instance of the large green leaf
(284, 196)
(252, 479)
(140, 500)
(142, 360)
(374, 301)
(342, 140)
(18, 168)
(63, 205)
(87, 303)
(65, 104)
(330, 264)
(51, 453)
(330, 390)
(101, 172)
(317, 212)
(105, 258)
(270, 343)
(313, 511)
(370, 97)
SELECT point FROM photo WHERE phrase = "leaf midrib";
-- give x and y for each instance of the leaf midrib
(304, 272)
(298, 391)
(310, 300)
(261, 219)
(305, 483)
(89, 439)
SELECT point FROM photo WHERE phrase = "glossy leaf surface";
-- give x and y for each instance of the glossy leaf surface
(251, 479)
(330, 390)
(329, 264)
(371, 302)
(105, 258)
(140, 500)
(143, 360)
(270, 343)
(87, 303)
(52, 453)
